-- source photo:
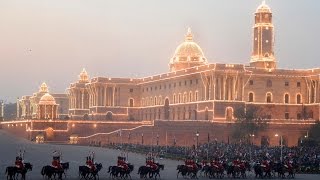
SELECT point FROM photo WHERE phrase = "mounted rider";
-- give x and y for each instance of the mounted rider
(19, 160)
(189, 162)
(56, 157)
(150, 162)
(122, 162)
(90, 162)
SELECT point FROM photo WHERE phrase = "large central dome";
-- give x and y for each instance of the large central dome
(188, 54)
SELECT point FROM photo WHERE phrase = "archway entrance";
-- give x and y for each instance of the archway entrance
(49, 133)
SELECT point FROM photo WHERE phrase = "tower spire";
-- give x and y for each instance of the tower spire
(189, 36)
(263, 39)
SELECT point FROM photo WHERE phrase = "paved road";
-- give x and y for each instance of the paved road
(40, 155)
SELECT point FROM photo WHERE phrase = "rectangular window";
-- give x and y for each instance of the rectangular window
(286, 115)
(298, 84)
(286, 83)
(190, 82)
(251, 82)
(131, 90)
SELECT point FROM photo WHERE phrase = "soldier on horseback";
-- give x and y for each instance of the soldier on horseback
(150, 163)
(122, 162)
(189, 162)
(19, 161)
(90, 162)
(56, 155)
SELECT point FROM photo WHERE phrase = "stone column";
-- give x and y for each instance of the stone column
(224, 88)
(105, 95)
(18, 109)
(113, 93)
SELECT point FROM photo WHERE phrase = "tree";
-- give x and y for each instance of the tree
(249, 121)
(314, 134)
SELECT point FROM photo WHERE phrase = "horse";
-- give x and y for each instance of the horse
(85, 172)
(50, 171)
(116, 171)
(143, 171)
(156, 172)
(258, 170)
(126, 173)
(12, 171)
(185, 170)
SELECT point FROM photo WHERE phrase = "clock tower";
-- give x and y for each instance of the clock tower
(263, 39)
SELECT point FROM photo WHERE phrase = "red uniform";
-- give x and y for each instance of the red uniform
(152, 165)
(236, 163)
(56, 164)
(91, 165)
(123, 164)
(266, 165)
(19, 164)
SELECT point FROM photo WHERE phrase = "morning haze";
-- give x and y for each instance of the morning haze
(52, 41)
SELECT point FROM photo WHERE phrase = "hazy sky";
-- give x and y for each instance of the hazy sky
(52, 40)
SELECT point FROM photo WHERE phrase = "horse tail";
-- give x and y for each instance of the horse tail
(42, 171)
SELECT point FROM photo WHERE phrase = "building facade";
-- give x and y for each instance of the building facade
(198, 90)
(193, 91)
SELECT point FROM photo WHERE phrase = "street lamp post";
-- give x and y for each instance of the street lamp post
(252, 136)
(197, 135)
(157, 139)
(281, 144)
(142, 138)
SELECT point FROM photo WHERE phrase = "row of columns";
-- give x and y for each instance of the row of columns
(104, 95)
(47, 111)
(223, 88)
(78, 98)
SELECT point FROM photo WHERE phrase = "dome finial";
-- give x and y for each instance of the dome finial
(189, 36)
(264, 2)
(43, 88)
(84, 77)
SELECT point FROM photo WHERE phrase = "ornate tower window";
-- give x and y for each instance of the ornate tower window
(269, 97)
(250, 97)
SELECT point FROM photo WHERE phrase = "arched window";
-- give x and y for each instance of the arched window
(147, 101)
(166, 109)
(179, 98)
(151, 101)
(155, 101)
(250, 97)
(142, 102)
(160, 100)
(190, 96)
(196, 96)
(286, 98)
(185, 98)
(130, 102)
(298, 98)
(109, 116)
(269, 97)
(229, 113)
(174, 98)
